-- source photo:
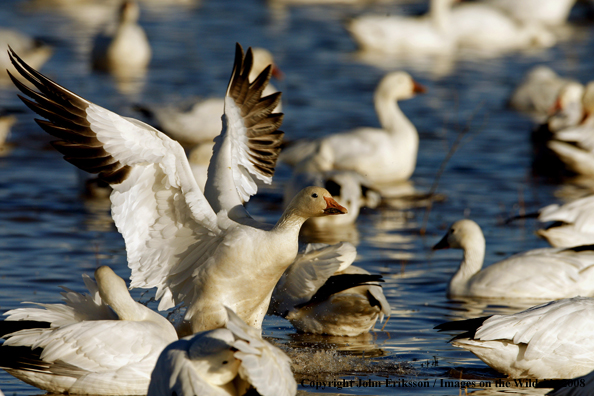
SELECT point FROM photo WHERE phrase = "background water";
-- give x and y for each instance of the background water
(50, 236)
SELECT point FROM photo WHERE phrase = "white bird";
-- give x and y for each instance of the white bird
(549, 12)
(102, 343)
(551, 340)
(537, 93)
(202, 122)
(383, 155)
(33, 51)
(547, 273)
(350, 189)
(485, 28)
(202, 250)
(124, 47)
(429, 34)
(574, 223)
(322, 293)
(580, 386)
(228, 362)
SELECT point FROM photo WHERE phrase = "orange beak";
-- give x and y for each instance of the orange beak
(418, 88)
(333, 208)
(556, 107)
(277, 73)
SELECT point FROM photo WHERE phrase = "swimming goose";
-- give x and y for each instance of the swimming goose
(429, 34)
(33, 51)
(551, 340)
(574, 223)
(102, 343)
(322, 293)
(349, 188)
(202, 250)
(537, 93)
(232, 361)
(547, 273)
(124, 48)
(202, 122)
(383, 155)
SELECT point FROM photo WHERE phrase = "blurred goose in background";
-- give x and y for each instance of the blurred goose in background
(322, 293)
(232, 361)
(383, 155)
(574, 223)
(202, 250)
(392, 34)
(548, 12)
(102, 343)
(547, 273)
(123, 48)
(552, 340)
(349, 188)
(202, 122)
(6, 122)
(537, 93)
(487, 29)
(33, 51)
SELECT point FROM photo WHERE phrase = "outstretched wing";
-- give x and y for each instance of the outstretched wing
(308, 273)
(166, 222)
(249, 143)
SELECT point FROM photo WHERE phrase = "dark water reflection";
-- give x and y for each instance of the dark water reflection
(49, 236)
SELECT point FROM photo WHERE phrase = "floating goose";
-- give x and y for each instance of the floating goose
(429, 34)
(349, 188)
(228, 362)
(381, 155)
(202, 250)
(547, 273)
(124, 49)
(322, 293)
(574, 223)
(552, 340)
(202, 122)
(102, 343)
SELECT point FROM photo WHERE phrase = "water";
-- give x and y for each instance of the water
(50, 236)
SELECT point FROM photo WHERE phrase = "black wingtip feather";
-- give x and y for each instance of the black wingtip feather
(338, 283)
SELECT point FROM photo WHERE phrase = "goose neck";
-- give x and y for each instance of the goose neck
(391, 117)
(290, 221)
(122, 304)
(472, 262)
(439, 13)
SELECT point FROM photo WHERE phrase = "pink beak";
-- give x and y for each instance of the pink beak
(333, 208)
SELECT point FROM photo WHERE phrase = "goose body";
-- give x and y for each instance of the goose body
(102, 343)
(228, 361)
(322, 293)
(552, 340)
(548, 273)
(549, 12)
(125, 47)
(429, 34)
(383, 155)
(574, 223)
(202, 250)
(202, 122)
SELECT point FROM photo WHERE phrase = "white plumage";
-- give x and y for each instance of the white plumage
(547, 273)
(575, 225)
(226, 362)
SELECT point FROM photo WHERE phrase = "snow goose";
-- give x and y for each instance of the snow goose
(549, 12)
(383, 155)
(429, 34)
(547, 273)
(102, 343)
(574, 223)
(551, 340)
(322, 293)
(228, 361)
(124, 49)
(202, 122)
(485, 28)
(349, 188)
(537, 93)
(33, 51)
(202, 250)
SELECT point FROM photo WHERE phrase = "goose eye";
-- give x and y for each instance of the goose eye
(225, 362)
(314, 195)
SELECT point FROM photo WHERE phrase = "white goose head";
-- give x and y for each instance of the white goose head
(567, 110)
(212, 356)
(114, 292)
(263, 58)
(397, 86)
(129, 12)
(463, 234)
(314, 202)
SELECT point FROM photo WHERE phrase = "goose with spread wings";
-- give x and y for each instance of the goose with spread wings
(200, 249)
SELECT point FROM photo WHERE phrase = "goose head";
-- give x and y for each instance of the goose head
(567, 110)
(114, 292)
(212, 355)
(314, 202)
(263, 58)
(397, 86)
(463, 234)
(129, 12)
